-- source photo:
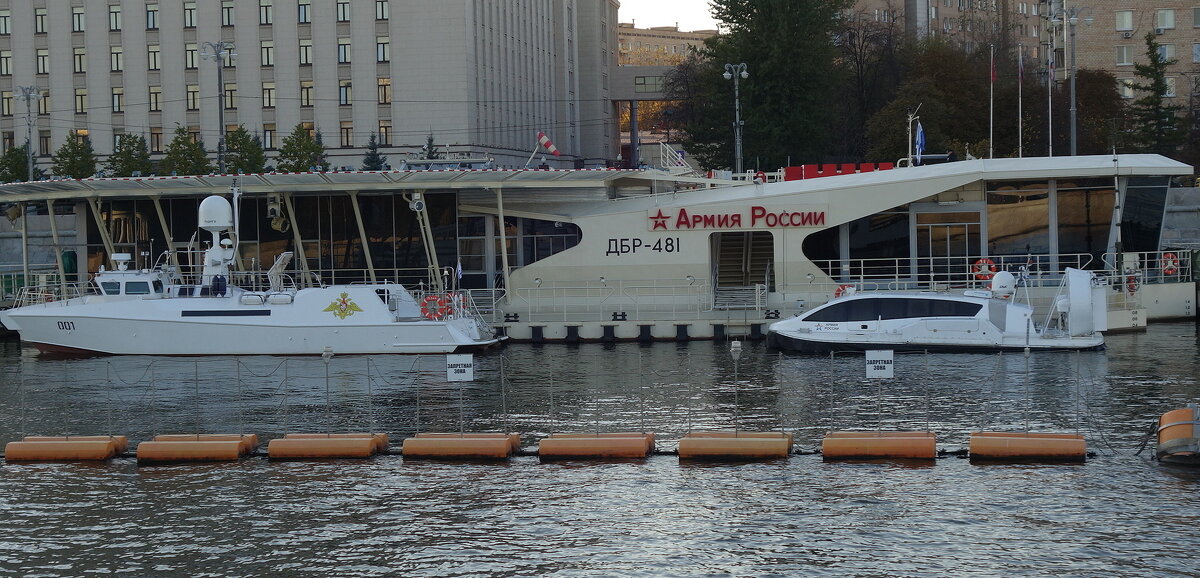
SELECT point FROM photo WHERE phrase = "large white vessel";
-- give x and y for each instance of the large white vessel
(160, 311)
(971, 321)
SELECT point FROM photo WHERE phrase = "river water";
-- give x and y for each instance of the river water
(1119, 514)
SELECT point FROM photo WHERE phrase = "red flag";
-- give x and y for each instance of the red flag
(545, 142)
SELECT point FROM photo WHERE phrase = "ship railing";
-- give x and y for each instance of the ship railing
(945, 273)
(1171, 266)
(50, 293)
(12, 278)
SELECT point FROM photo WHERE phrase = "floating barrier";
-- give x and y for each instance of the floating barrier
(478, 446)
(189, 450)
(1024, 446)
(863, 445)
(606, 445)
(64, 448)
(310, 446)
(1178, 438)
(249, 442)
(741, 445)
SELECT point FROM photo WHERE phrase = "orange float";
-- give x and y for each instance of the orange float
(1178, 436)
(740, 445)
(866, 445)
(1025, 446)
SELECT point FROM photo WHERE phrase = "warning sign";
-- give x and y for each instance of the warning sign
(879, 363)
(460, 367)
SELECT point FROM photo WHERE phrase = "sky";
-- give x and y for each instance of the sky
(689, 14)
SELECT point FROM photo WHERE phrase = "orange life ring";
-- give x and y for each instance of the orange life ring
(1131, 284)
(760, 177)
(434, 307)
(843, 290)
(985, 269)
(1170, 263)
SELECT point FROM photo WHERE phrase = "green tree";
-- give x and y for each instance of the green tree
(373, 161)
(14, 165)
(1157, 127)
(75, 158)
(244, 152)
(185, 155)
(301, 151)
(131, 156)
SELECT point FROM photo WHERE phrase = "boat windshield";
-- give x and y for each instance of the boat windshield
(872, 309)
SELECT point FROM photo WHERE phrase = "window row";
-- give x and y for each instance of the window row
(1164, 19)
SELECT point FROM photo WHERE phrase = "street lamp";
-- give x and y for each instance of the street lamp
(219, 52)
(1071, 17)
(29, 94)
(734, 72)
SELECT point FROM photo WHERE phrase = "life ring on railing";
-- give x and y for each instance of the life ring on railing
(843, 290)
(434, 307)
(760, 177)
(1170, 263)
(1131, 284)
(985, 269)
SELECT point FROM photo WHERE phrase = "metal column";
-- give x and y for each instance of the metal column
(362, 235)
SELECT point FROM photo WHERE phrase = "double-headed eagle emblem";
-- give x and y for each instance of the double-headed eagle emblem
(343, 306)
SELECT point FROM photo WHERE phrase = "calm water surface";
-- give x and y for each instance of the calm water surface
(1117, 515)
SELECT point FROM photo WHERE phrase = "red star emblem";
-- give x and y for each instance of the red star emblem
(660, 221)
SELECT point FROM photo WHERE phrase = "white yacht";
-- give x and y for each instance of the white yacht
(160, 311)
(971, 321)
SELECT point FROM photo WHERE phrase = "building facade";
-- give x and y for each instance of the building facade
(481, 77)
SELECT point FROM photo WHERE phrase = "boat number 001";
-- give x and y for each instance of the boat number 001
(624, 246)
(66, 325)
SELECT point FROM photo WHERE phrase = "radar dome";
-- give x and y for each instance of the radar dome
(1003, 284)
(215, 214)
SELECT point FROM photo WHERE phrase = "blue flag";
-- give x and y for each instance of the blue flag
(920, 141)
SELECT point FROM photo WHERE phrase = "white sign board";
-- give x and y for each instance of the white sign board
(879, 363)
(460, 367)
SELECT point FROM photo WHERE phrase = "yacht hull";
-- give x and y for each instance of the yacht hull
(809, 344)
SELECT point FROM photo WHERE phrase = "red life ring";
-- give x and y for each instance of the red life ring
(434, 307)
(760, 177)
(1170, 263)
(843, 290)
(1131, 284)
(985, 269)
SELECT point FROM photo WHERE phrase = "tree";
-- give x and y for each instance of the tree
(373, 161)
(301, 151)
(14, 165)
(244, 152)
(75, 158)
(131, 156)
(185, 155)
(1156, 124)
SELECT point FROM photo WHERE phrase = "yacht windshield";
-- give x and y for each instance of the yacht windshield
(872, 309)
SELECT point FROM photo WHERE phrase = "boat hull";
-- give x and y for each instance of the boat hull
(813, 345)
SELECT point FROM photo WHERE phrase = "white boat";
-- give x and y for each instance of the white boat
(159, 311)
(972, 321)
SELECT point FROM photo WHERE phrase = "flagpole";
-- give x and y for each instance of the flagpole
(1050, 99)
(1020, 97)
(992, 105)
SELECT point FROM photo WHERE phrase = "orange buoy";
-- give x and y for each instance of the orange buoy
(191, 450)
(60, 450)
(381, 439)
(1024, 446)
(121, 441)
(459, 446)
(1178, 438)
(249, 442)
(741, 445)
(606, 445)
(514, 440)
(863, 445)
(293, 448)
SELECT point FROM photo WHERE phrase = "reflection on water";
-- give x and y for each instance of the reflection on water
(798, 516)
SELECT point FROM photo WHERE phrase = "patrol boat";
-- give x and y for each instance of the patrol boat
(973, 321)
(166, 310)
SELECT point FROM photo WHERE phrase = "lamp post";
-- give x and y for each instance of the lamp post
(735, 72)
(1071, 17)
(218, 52)
(29, 94)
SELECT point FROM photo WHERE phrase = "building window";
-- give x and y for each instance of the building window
(39, 21)
(152, 56)
(78, 21)
(343, 11)
(268, 138)
(1124, 19)
(381, 9)
(344, 94)
(1125, 87)
(5, 22)
(116, 57)
(155, 98)
(118, 100)
(1170, 93)
(306, 90)
(309, 128)
(385, 91)
(152, 17)
(304, 14)
(190, 56)
(1195, 55)
(43, 103)
(114, 17)
(1164, 19)
(385, 133)
(194, 133)
(306, 52)
(347, 131)
(230, 95)
(383, 51)
(80, 59)
(343, 50)
(268, 53)
(44, 142)
(1124, 55)
(227, 15)
(1166, 51)
(156, 140)
(5, 62)
(266, 13)
(43, 61)
(647, 84)
(268, 95)
(193, 97)
(6, 103)
(189, 14)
